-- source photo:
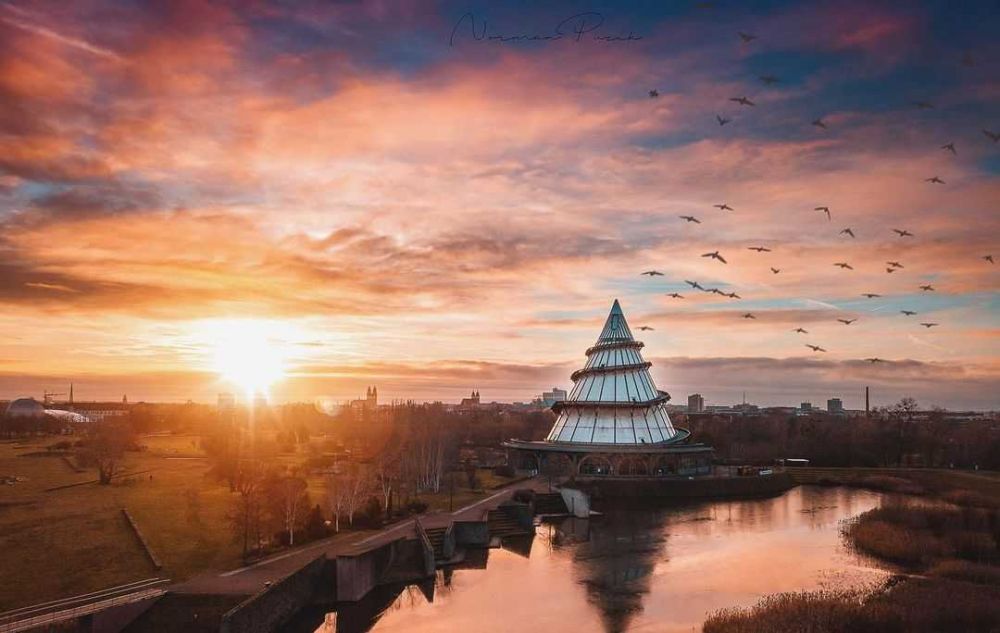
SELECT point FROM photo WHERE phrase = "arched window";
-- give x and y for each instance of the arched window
(595, 465)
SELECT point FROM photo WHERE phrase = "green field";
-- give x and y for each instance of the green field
(64, 542)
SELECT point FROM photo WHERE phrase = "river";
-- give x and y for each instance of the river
(633, 570)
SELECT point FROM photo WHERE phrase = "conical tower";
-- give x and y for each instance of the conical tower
(614, 400)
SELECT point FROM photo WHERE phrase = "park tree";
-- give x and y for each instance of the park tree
(105, 448)
(246, 515)
(289, 499)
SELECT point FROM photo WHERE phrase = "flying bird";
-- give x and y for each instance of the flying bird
(819, 123)
(749, 315)
(934, 180)
(690, 218)
(923, 105)
(929, 325)
(895, 264)
(800, 330)
(723, 207)
(815, 348)
(989, 258)
(874, 360)
(721, 119)
(674, 295)
(746, 37)
(847, 231)
(733, 295)
(715, 291)
(653, 273)
(907, 312)
(742, 101)
(890, 270)
(693, 284)
(759, 249)
(993, 136)
(769, 79)
(775, 270)
(847, 321)
(825, 210)
(844, 265)
(902, 233)
(870, 295)
(950, 147)
(715, 255)
(644, 328)
(927, 288)
(654, 93)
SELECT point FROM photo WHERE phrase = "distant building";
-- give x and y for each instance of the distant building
(472, 402)
(25, 408)
(806, 407)
(226, 402)
(834, 405)
(549, 398)
(696, 404)
(366, 405)
(98, 411)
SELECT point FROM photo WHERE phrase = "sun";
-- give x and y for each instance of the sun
(248, 352)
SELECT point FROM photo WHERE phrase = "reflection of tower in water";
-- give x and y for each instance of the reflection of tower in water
(616, 563)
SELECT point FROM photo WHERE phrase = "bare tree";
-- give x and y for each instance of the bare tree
(246, 516)
(289, 498)
(106, 446)
(387, 470)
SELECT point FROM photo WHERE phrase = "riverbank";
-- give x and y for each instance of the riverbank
(943, 539)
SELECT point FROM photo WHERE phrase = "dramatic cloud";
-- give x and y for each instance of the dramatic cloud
(406, 203)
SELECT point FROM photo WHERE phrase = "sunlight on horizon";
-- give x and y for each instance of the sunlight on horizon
(250, 353)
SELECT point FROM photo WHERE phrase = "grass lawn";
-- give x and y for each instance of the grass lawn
(75, 540)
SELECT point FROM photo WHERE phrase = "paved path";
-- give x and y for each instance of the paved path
(49, 613)
(251, 579)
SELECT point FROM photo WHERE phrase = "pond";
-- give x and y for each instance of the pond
(658, 570)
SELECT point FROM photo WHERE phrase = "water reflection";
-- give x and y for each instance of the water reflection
(628, 570)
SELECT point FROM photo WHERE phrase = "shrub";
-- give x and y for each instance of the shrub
(416, 507)
(894, 542)
(885, 483)
(964, 570)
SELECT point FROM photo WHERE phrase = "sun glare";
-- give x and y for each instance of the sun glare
(249, 353)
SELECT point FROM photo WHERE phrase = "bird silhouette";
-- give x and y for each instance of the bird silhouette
(929, 325)
(819, 123)
(989, 258)
(825, 210)
(896, 264)
(715, 291)
(870, 295)
(690, 218)
(721, 119)
(644, 328)
(653, 273)
(654, 93)
(746, 37)
(775, 270)
(693, 284)
(742, 101)
(732, 295)
(844, 265)
(923, 105)
(800, 330)
(993, 136)
(907, 312)
(902, 233)
(927, 288)
(715, 255)
(847, 231)
(749, 315)
(759, 249)
(815, 348)
(890, 270)
(950, 147)
(874, 360)
(847, 321)
(770, 80)
(934, 180)
(723, 206)
(675, 295)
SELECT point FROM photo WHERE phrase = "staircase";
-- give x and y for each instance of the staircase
(501, 524)
(550, 503)
(436, 537)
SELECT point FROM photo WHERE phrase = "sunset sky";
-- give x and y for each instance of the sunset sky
(390, 201)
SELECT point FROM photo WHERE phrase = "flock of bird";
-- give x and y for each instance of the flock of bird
(891, 266)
